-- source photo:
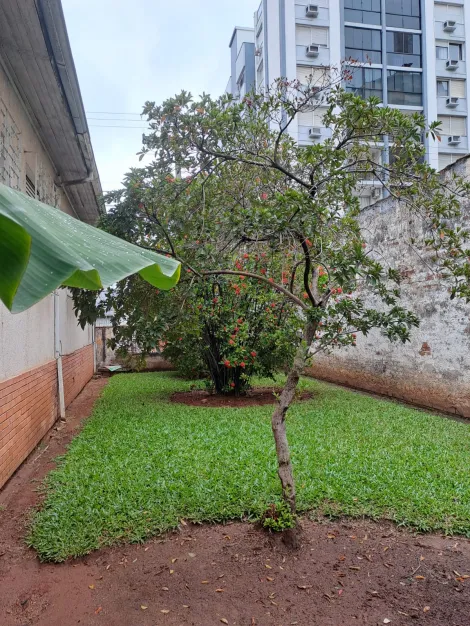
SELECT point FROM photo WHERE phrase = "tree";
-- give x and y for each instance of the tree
(302, 204)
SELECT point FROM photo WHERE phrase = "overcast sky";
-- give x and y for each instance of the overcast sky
(130, 51)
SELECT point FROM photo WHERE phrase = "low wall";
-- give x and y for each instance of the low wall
(29, 406)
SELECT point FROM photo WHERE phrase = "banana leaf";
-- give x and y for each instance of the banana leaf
(42, 248)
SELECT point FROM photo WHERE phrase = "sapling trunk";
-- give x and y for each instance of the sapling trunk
(278, 423)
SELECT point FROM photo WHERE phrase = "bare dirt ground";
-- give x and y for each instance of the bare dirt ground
(254, 397)
(346, 573)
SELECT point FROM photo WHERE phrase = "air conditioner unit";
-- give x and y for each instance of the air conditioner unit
(311, 10)
(451, 103)
(314, 132)
(452, 64)
(258, 52)
(454, 140)
(376, 194)
(449, 26)
(312, 51)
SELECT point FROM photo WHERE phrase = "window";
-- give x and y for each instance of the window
(366, 82)
(30, 187)
(443, 88)
(241, 79)
(442, 52)
(362, 11)
(452, 125)
(403, 14)
(363, 44)
(455, 51)
(304, 36)
(404, 88)
(452, 88)
(403, 49)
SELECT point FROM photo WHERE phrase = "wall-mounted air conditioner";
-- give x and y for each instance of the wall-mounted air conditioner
(454, 140)
(314, 132)
(451, 103)
(452, 64)
(311, 10)
(258, 52)
(312, 51)
(449, 26)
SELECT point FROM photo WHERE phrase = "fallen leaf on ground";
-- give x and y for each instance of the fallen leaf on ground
(269, 578)
(98, 610)
(165, 611)
(387, 621)
(204, 582)
(174, 560)
(268, 566)
(354, 567)
(185, 606)
(191, 554)
(172, 571)
(426, 609)
(304, 586)
(419, 577)
(220, 590)
(143, 607)
(331, 536)
(165, 589)
(91, 586)
(224, 621)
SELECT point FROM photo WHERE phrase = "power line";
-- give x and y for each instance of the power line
(110, 113)
(117, 126)
(114, 119)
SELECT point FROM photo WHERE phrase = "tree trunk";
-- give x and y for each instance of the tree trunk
(278, 423)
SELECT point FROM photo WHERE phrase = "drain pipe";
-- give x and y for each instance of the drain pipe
(58, 355)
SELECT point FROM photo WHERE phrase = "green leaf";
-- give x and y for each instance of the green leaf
(42, 248)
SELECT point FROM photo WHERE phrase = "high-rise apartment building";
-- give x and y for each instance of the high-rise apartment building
(413, 52)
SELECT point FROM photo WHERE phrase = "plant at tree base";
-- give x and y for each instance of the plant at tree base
(255, 191)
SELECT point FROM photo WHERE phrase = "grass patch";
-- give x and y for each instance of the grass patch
(142, 463)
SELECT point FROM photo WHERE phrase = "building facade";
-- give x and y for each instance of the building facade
(45, 151)
(413, 56)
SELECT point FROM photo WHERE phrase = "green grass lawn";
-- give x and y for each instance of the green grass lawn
(142, 463)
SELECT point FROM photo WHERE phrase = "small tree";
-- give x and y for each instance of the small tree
(301, 203)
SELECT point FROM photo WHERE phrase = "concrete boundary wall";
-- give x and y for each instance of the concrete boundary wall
(433, 370)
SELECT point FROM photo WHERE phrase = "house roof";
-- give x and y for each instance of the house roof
(36, 53)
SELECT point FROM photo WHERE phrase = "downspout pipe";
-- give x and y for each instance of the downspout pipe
(58, 354)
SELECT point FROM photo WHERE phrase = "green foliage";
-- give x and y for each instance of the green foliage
(228, 179)
(278, 517)
(142, 463)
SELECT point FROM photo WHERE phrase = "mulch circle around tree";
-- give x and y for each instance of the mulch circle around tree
(254, 397)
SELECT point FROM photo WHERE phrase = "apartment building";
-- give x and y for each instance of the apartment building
(45, 151)
(413, 56)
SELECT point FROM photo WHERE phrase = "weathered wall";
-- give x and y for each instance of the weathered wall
(433, 370)
(28, 372)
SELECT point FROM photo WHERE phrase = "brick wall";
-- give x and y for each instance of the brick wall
(29, 406)
(77, 370)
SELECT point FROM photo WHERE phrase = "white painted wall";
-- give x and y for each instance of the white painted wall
(27, 339)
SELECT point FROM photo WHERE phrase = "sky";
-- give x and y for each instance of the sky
(128, 52)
